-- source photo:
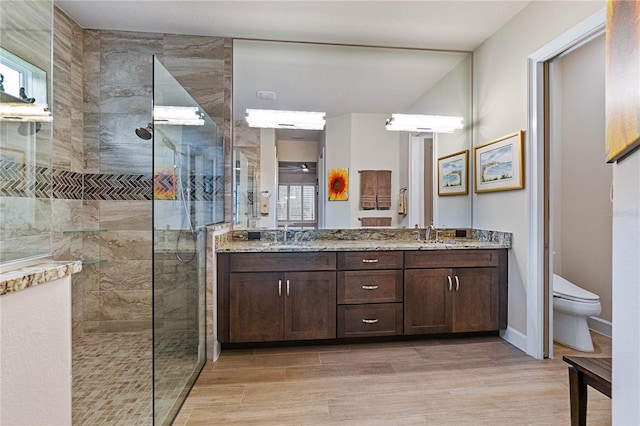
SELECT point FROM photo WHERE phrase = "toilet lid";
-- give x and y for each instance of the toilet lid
(568, 290)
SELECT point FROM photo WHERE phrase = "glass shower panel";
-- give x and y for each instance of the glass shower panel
(26, 129)
(187, 193)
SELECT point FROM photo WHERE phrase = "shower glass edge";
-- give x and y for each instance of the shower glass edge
(187, 170)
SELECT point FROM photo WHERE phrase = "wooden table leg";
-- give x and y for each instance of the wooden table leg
(578, 396)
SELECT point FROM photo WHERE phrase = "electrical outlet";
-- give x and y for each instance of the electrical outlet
(461, 233)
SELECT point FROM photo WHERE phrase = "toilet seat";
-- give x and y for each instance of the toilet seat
(567, 290)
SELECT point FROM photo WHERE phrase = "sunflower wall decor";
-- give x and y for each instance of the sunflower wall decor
(338, 184)
(164, 184)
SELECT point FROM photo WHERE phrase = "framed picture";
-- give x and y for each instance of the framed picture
(499, 164)
(622, 80)
(453, 174)
(338, 185)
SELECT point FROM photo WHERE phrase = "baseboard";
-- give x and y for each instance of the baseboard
(516, 338)
(600, 325)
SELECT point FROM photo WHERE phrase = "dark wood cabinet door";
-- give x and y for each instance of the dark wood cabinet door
(427, 301)
(309, 305)
(475, 299)
(256, 307)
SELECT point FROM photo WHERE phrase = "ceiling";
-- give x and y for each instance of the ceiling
(329, 78)
(449, 24)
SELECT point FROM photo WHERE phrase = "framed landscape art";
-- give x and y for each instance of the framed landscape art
(499, 165)
(453, 171)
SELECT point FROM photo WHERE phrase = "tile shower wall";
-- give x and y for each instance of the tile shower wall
(68, 162)
(103, 91)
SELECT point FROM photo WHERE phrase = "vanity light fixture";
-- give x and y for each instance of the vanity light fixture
(424, 123)
(178, 115)
(20, 111)
(305, 167)
(278, 119)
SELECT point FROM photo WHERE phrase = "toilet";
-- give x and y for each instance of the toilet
(572, 306)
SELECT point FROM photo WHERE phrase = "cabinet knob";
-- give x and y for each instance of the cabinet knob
(369, 260)
(369, 287)
(370, 321)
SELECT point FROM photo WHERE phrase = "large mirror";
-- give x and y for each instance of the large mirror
(281, 176)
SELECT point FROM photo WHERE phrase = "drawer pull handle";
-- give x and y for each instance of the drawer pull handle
(370, 321)
(457, 283)
(450, 284)
(369, 260)
(279, 288)
(369, 287)
(287, 288)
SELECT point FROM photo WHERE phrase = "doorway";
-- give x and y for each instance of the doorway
(579, 213)
(539, 296)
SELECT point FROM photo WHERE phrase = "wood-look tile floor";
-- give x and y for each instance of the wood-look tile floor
(474, 381)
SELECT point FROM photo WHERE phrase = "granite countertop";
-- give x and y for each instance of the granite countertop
(360, 240)
(40, 273)
(240, 246)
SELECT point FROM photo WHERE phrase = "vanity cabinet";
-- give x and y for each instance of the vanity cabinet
(452, 292)
(277, 296)
(271, 297)
(370, 293)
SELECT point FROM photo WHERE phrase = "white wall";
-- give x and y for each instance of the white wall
(626, 292)
(500, 107)
(35, 355)
(337, 214)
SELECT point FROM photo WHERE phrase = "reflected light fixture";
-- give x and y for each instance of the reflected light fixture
(424, 123)
(178, 115)
(278, 119)
(21, 111)
(304, 166)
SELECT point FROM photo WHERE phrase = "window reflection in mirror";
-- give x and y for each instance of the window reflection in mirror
(358, 88)
(21, 80)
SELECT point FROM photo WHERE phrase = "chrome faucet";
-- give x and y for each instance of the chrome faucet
(428, 232)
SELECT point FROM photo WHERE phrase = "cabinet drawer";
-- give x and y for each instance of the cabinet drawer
(370, 260)
(370, 286)
(450, 258)
(275, 262)
(383, 319)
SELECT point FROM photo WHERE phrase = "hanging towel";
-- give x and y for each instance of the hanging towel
(376, 221)
(402, 202)
(368, 187)
(383, 189)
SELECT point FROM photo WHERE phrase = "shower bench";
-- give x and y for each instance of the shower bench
(583, 371)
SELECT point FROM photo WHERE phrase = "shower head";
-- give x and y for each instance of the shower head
(145, 133)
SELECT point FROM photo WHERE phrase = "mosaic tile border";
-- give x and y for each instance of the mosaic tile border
(117, 187)
(20, 180)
